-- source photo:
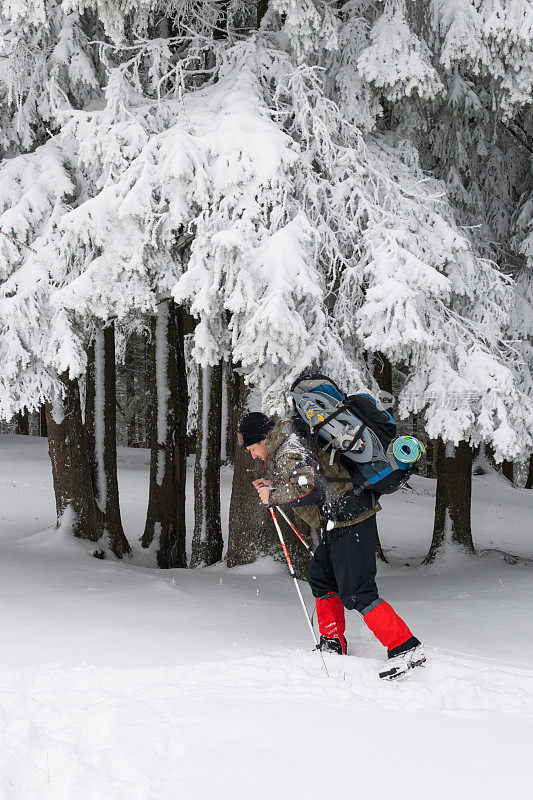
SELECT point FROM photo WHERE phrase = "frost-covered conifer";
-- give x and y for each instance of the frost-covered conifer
(34, 193)
(396, 61)
(254, 251)
(462, 136)
(522, 316)
(41, 43)
(237, 175)
(492, 38)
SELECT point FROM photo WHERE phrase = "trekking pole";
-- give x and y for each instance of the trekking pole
(293, 575)
(298, 534)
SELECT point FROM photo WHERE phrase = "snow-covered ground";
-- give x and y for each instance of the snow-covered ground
(119, 681)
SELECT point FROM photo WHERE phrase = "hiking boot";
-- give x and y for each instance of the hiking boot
(403, 658)
(336, 644)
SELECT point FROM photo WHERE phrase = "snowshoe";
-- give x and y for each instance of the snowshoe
(336, 644)
(403, 658)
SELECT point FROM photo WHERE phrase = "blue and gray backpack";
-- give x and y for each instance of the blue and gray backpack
(359, 431)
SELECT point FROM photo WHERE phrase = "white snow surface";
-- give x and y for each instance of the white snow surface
(122, 681)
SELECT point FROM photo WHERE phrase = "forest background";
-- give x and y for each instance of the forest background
(200, 200)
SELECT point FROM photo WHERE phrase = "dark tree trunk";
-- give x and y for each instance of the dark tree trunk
(129, 370)
(454, 496)
(207, 543)
(224, 400)
(147, 389)
(43, 428)
(105, 439)
(507, 468)
(431, 454)
(489, 455)
(22, 422)
(180, 428)
(221, 29)
(262, 8)
(165, 519)
(529, 480)
(382, 370)
(236, 404)
(88, 422)
(251, 530)
(75, 503)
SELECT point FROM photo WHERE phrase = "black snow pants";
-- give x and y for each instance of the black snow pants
(345, 563)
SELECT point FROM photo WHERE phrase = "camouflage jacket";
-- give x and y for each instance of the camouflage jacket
(304, 479)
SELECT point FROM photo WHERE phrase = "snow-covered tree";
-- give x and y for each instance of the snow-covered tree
(164, 529)
(34, 194)
(275, 183)
(522, 319)
(39, 43)
(464, 376)
(396, 61)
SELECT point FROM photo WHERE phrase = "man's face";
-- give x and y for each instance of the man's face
(258, 450)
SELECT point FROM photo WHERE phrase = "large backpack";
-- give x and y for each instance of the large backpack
(359, 431)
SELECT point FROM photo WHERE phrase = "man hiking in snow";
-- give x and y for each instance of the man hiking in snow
(342, 571)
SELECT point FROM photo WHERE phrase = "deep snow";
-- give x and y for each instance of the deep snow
(123, 681)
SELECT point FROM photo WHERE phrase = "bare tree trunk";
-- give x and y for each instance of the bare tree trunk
(431, 463)
(489, 455)
(43, 429)
(454, 496)
(529, 481)
(236, 407)
(147, 388)
(262, 7)
(207, 543)
(180, 435)
(507, 468)
(75, 503)
(224, 420)
(105, 439)
(251, 531)
(22, 422)
(88, 422)
(382, 370)
(129, 369)
(168, 392)
(165, 519)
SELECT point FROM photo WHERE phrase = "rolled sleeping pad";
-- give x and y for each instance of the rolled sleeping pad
(407, 449)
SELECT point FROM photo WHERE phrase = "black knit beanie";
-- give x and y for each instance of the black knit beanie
(254, 428)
